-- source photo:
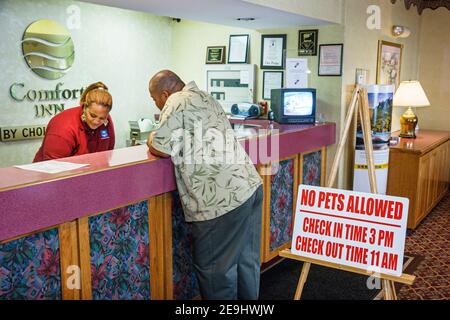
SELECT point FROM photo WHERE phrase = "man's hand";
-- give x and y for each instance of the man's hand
(152, 149)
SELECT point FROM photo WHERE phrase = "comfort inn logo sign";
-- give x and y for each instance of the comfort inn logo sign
(48, 49)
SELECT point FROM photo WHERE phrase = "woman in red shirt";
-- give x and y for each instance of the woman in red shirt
(80, 130)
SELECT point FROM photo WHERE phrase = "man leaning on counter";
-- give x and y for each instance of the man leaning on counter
(222, 200)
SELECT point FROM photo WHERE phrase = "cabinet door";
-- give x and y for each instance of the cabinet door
(422, 191)
(444, 166)
(447, 165)
(432, 180)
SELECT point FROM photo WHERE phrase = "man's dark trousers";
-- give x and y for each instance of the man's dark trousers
(227, 252)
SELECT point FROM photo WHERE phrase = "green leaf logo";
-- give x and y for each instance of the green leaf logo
(48, 49)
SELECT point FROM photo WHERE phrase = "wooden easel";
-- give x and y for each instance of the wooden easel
(359, 105)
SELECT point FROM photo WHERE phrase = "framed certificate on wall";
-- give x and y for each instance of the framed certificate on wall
(330, 59)
(273, 47)
(238, 48)
(271, 80)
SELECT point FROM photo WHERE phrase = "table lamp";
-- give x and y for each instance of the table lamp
(409, 94)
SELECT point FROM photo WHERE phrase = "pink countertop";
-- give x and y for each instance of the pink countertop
(12, 177)
(31, 200)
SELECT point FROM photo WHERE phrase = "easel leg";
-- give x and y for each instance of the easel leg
(340, 148)
(367, 133)
(302, 280)
(389, 290)
(394, 294)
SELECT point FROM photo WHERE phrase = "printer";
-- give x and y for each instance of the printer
(139, 131)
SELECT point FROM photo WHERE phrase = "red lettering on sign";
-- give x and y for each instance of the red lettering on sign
(378, 207)
(334, 250)
(340, 205)
(309, 245)
(331, 201)
(317, 226)
(321, 198)
(398, 210)
(308, 197)
(356, 254)
(389, 261)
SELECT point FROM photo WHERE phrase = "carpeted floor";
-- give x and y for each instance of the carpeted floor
(280, 281)
(432, 241)
(428, 245)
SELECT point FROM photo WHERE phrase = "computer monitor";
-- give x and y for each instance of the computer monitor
(294, 105)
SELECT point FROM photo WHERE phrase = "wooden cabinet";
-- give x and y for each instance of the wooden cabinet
(419, 169)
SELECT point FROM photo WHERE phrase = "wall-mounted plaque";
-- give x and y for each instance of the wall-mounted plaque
(307, 42)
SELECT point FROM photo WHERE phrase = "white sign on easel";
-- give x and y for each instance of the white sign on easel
(355, 229)
(361, 209)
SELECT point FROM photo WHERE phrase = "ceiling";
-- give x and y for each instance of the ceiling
(224, 12)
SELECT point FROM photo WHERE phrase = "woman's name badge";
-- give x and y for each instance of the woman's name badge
(104, 134)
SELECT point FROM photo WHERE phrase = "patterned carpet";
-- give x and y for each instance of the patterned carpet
(432, 241)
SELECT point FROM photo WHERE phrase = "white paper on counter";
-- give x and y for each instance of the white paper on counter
(121, 156)
(51, 166)
(297, 73)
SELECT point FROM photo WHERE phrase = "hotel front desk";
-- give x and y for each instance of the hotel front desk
(115, 229)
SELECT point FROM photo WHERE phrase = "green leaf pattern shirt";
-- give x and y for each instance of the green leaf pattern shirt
(213, 172)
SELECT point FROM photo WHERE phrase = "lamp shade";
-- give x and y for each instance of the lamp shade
(410, 94)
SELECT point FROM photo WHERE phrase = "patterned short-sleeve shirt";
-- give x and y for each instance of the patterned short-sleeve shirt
(213, 172)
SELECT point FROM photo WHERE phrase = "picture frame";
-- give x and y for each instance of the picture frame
(330, 59)
(215, 55)
(271, 80)
(273, 47)
(238, 48)
(307, 42)
(389, 63)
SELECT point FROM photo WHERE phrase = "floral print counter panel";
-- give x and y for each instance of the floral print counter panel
(185, 284)
(312, 168)
(120, 254)
(281, 204)
(30, 268)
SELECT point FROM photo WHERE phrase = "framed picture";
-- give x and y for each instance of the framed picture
(330, 59)
(238, 48)
(389, 63)
(273, 47)
(271, 80)
(215, 54)
(307, 42)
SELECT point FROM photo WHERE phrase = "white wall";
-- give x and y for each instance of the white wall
(434, 69)
(119, 47)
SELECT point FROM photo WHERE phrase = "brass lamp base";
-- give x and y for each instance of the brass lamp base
(408, 122)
